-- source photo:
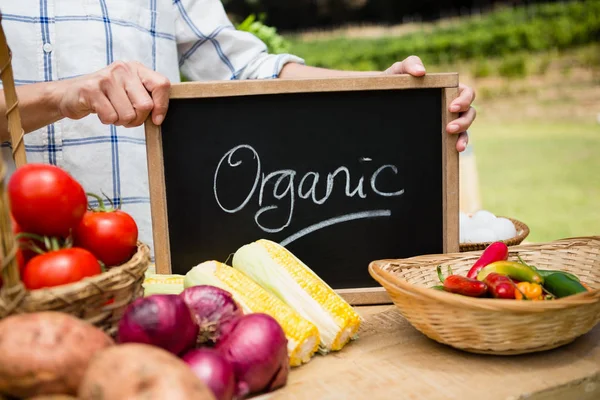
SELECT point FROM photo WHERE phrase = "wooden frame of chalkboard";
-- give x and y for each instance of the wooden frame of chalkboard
(446, 82)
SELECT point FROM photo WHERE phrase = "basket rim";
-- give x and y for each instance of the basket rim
(515, 239)
(390, 281)
(140, 256)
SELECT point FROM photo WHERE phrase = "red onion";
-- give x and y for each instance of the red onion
(214, 310)
(212, 369)
(162, 320)
(257, 349)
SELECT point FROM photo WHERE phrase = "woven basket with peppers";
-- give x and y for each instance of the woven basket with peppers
(500, 300)
(493, 275)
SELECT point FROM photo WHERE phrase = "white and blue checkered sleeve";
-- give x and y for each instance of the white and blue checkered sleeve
(210, 48)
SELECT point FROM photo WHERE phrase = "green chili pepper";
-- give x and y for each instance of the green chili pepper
(562, 285)
(512, 269)
(546, 272)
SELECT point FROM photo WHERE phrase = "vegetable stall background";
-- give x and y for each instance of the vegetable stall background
(535, 67)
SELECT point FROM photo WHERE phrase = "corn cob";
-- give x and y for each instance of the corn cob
(303, 336)
(162, 284)
(280, 272)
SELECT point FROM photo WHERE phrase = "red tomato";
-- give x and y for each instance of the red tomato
(110, 235)
(59, 268)
(46, 200)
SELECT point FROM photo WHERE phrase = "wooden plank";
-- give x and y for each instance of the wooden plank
(391, 359)
(276, 86)
(582, 389)
(366, 296)
(158, 198)
(450, 176)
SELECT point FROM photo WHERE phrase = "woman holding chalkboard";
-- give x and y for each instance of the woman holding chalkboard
(90, 72)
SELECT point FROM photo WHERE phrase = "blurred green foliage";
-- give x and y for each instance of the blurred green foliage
(513, 67)
(254, 24)
(482, 68)
(533, 28)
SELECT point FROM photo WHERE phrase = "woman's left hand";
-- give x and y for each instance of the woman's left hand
(462, 104)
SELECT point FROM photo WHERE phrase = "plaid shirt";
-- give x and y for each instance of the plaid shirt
(60, 39)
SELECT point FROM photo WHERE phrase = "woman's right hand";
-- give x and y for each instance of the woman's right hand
(124, 94)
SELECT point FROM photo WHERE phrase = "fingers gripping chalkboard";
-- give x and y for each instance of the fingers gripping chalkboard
(339, 176)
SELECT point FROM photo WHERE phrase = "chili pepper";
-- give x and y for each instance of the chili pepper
(500, 286)
(497, 251)
(462, 285)
(438, 287)
(516, 270)
(531, 291)
(560, 285)
(545, 272)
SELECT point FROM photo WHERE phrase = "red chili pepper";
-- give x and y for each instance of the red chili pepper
(500, 286)
(462, 285)
(497, 251)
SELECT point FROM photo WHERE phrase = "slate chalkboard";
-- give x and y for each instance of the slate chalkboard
(340, 177)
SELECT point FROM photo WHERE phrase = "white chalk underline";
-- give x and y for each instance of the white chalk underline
(333, 221)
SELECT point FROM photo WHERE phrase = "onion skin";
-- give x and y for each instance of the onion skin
(257, 349)
(214, 370)
(161, 320)
(214, 311)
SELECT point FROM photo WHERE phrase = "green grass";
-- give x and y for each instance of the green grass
(544, 174)
(501, 33)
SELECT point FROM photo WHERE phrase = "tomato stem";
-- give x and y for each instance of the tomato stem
(439, 273)
(33, 247)
(68, 242)
(101, 204)
(28, 235)
(47, 243)
(112, 205)
(30, 244)
(50, 243)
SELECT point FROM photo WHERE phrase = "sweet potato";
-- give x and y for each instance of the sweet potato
(136, 371)
(46, 353)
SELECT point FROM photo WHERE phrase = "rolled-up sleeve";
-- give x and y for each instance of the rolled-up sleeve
(210, 48)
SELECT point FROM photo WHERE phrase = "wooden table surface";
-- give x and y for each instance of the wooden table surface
(392, 360)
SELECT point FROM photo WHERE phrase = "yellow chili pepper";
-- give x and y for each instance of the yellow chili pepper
(532, 291)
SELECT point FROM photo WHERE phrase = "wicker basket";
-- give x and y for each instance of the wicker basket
(494, 326)
(522, 233)
(101, 299)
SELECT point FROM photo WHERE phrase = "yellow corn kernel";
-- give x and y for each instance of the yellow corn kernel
(162, 284)
(303, 336)
(280, 272)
